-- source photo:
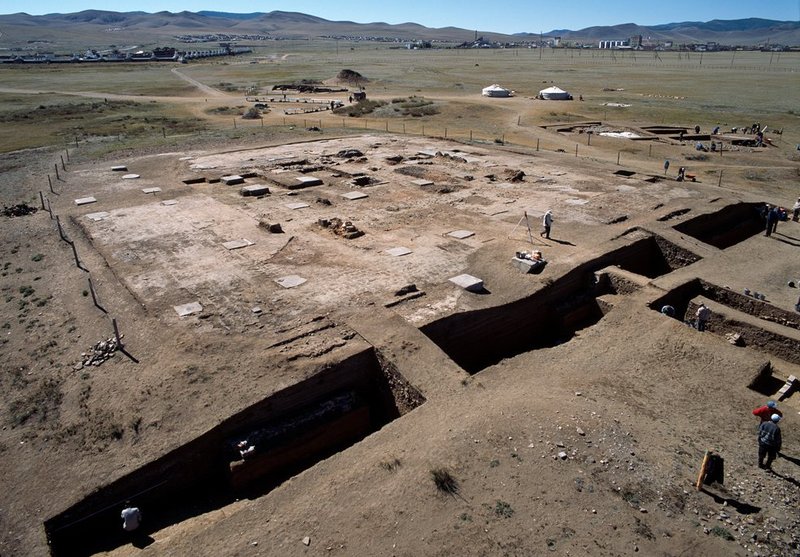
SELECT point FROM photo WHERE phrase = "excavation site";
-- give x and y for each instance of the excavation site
(423, 321)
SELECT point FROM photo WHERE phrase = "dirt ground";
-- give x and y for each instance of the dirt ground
(588, 443)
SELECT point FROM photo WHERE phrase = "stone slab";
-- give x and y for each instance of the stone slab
(232, 180)
(398, 251)
(461, 234)
(119, 168)
(254, 190)
(188, 309)
(98, 216)
(131, 177)
(468, 282)
(151, 190)
(169, 202)
(237, 244)
(85, 200)
(422, 182)
(308, 181)
(352, 195)
(290, 281)
(294, 206)
(528, 265)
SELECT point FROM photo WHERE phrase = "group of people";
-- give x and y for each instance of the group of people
(769, 433)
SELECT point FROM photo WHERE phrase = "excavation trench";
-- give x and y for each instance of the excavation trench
(726, 227)
(478, 339)
(760, 326)
(288, 431)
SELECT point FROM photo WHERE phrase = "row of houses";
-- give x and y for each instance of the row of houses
(165, 54)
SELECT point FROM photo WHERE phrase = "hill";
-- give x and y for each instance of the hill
(95, 27)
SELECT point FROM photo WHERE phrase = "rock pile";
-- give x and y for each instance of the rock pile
(345, 229)
(98, 354)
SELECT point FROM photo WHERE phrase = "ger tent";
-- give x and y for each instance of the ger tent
(495, 90)
(554, 94)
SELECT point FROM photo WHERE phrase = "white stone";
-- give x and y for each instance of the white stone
(169, 202)
(422, 182)
(151, 190)
(257, 310)
(255, 189)
(351, 195)
(188, 309)
(468, 282)
(131, 177)
(562, 455)
(294, 206)
(232, 179)
(398, 251)
(120, 168)
(98, 216)
(290, 281)
(237, 244)
(461, 234)
(309, 181)
(85, 200)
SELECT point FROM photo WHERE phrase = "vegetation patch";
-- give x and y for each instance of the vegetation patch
(361, 108)
(415, 107)
(43, 402)
(444, 480)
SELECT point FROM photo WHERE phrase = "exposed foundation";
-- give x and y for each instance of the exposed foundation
(290, 430)
(726, 227)
(478, 339)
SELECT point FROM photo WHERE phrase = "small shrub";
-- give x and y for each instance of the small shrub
(26, 291)
(251, 114)
(722, 533)
(390, 465)
(444, 480)
(85, 293)
(503, 509)
(37, 257)
(494, 464)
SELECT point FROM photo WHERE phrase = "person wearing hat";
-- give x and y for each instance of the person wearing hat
(769, 442)
(764, 413)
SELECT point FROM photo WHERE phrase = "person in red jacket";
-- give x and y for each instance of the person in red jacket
(765, 412)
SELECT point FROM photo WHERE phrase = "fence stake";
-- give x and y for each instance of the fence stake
(61, 230)
(537, 144)
(67, 152)
(63, 166)
(650, 151)
(41, 198)
(116, 333)
(75, 253)
(618, 154)
(576, 149)
(76, 141)
(50, 183)
(57, 176)
(94, 296)
(720, 179)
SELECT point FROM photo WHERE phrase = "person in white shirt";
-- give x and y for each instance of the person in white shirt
(547, 222)
(703, 314)
(131, 518)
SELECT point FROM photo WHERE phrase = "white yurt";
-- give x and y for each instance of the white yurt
(495, 90)
(554, 94)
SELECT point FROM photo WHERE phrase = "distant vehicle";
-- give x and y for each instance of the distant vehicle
(261, 105)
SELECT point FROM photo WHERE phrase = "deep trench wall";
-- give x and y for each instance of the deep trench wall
(783, 347)
(480, 338)
(726, 227)
(200, 467)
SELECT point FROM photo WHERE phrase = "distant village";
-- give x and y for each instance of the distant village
(165, 54)
(227, 47)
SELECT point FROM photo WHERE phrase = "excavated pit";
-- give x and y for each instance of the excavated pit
(291, 431)
(768, 338)
(726, 227)
(478, 339)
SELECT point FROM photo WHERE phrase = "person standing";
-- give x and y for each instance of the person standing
(796, 210)
(769, 442)
(703, 314)
(771, 215)
(764, 413)
(547, 222)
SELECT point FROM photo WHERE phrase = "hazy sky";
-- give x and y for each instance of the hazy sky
(503, 16)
